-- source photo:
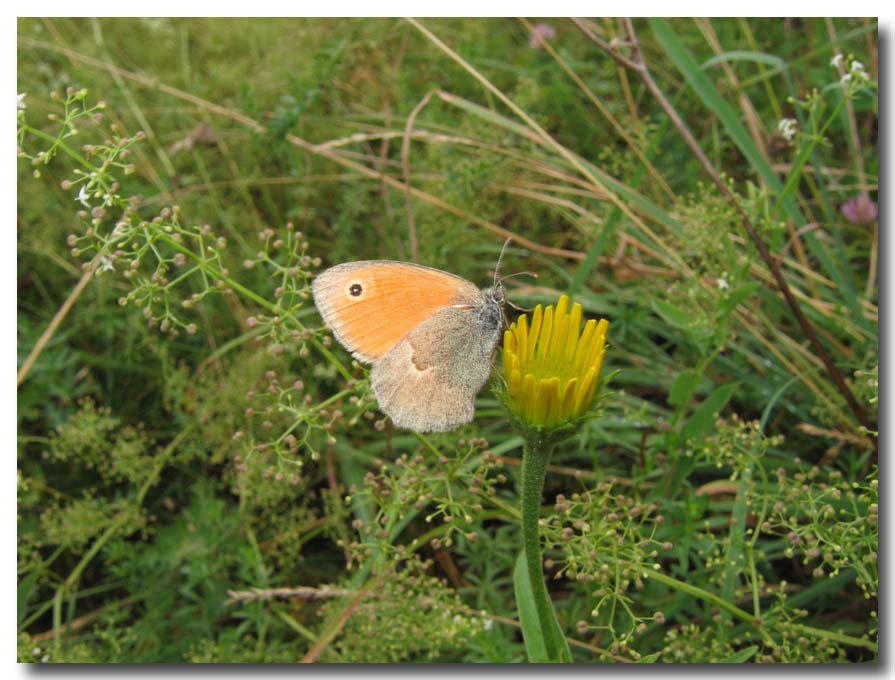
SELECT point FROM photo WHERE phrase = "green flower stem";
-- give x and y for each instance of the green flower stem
(57, 142)
(716, 600)
(752, 620)
(832, 635)
(534, 470)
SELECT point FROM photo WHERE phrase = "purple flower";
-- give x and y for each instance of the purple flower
(540, 34)
(860, 209)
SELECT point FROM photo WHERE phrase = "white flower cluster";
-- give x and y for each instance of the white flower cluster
(787, 128)
(856, 70)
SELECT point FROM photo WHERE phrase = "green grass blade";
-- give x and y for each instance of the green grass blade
(532, 632)
(704, 415)
(745, 55)
(702, 85)
(705, 89)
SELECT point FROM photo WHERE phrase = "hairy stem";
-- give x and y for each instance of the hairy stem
(534, 470)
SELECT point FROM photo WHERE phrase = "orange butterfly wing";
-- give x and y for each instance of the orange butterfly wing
(370, 306)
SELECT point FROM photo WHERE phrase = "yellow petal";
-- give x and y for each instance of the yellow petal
(583, 345)
(522, 339)
(567, 401)
(543, 340)
(560, 326)
(573, 338)
(548, 405)
(537, 319)
(529, 397)
(585, 392)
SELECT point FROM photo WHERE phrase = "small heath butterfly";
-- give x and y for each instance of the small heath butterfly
(429, 335)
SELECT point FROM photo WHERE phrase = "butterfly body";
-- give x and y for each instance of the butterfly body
(429, 335)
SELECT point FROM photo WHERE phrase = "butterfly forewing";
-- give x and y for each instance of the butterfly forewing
(370, 306)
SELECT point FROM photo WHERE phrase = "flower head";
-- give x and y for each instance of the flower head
(857, 73)
(551, 365)
(860, 209)
(787, 128)
(21, 105)
(540, 34)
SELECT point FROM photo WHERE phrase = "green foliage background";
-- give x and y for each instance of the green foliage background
(202, 473)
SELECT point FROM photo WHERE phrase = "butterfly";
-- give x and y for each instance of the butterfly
(429, 335)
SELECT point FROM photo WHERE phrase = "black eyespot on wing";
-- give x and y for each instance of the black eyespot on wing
(355, 289)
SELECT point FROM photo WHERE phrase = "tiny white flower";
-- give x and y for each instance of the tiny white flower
(83, 195)
(489, 624)
(856, 69)
(722, 283)
(20, 101)
(787, 128)
(846, 79)
(836, 61)
(106, 264)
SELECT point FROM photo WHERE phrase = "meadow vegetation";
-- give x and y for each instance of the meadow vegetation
(203, 475)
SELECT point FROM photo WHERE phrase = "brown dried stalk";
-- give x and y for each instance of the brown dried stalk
(301, 592)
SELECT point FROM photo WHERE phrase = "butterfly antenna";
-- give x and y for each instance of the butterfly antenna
(509, 276)
(500, 259)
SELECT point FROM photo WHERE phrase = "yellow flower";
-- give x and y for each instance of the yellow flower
(552, 367)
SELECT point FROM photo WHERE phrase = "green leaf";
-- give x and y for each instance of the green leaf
(532, 633)
(593, 254)
(766, 414)
(741, 656)
(703, 418)
(746, 55)
(649, 658)
(24, 592)
(672, 315)
(736, 296)
(824, 587)
(683, 387)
